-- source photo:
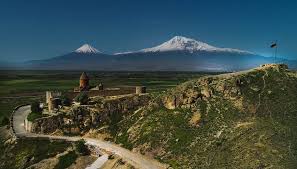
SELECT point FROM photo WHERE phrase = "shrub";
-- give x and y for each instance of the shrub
(65, 100)
(32, 116)
(111, 156)
(66, 160)
(82, 98)
(4, 121)
(36, 111)
(81, 147)
(114, 117)
(35, 107)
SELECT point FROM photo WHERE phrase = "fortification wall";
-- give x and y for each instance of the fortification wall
(140, 89)
(103, 93)
(28, 125)
(51, 94)
(47, 124)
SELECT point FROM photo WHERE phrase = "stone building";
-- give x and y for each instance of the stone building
(53, 100)
(98, 87)
(51, 94)
(140, 89)
(84, 82)
(54, 104)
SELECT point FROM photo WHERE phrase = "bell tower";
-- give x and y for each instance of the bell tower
(84, 81)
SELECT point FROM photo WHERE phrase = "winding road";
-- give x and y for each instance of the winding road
(135, 159)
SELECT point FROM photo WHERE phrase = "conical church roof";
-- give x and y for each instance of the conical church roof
(84, 76)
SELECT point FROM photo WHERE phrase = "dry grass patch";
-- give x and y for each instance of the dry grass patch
(195, 119)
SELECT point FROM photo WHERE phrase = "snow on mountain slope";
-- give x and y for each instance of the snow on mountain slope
(86, 48)
(180, 43)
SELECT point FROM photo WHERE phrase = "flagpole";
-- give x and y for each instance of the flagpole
(275, 51)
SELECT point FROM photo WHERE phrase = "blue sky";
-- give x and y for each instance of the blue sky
(38, 29)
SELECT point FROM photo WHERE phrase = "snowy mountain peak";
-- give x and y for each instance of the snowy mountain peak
(86, 48)
(180, 43)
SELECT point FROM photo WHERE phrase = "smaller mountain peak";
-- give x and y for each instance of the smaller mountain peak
(86, 48)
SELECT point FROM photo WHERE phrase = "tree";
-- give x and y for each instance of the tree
(35, 108)
(65, 100)
(82, 98)
(36, 111)
(5, 121)
(81, 148)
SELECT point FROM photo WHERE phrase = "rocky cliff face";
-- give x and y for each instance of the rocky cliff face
(243, 89)
(47, 124)
(79, 119)
(238, 120)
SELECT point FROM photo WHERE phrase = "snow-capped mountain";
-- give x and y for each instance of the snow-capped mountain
(85, 57)
(180, 43)
(177, 54)
(86, 48)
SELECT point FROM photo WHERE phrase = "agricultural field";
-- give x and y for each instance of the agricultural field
(22, 87)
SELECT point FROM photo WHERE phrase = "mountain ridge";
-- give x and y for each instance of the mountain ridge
(181, 43)
(177, 54)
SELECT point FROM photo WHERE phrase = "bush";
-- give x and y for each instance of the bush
(32, 116)
(4, 121)
(82, 98)
(65, 100)
(114, 117)
(36, 111)
(81, 147)
(66, 160)
(35, 107)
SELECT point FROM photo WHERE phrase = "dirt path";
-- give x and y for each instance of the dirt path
(135, 159)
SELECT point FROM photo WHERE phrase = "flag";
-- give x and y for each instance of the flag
(273, 45)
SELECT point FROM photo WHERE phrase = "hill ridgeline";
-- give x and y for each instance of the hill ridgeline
(238, 120)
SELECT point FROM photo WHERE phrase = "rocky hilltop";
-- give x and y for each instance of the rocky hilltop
(238, 120)
(80, 119)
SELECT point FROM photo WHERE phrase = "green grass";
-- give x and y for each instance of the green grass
(28, 152)
(33, 116)
(66, 160)
(23, 87)
(8, 104)
(268, 140)
(14, 82)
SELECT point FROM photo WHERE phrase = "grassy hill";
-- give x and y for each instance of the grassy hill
(240, 120)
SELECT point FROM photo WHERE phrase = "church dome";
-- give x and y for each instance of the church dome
(84, 76)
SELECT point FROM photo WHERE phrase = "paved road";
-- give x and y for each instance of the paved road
(137, 160)
(99, 162)
(18, 119)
